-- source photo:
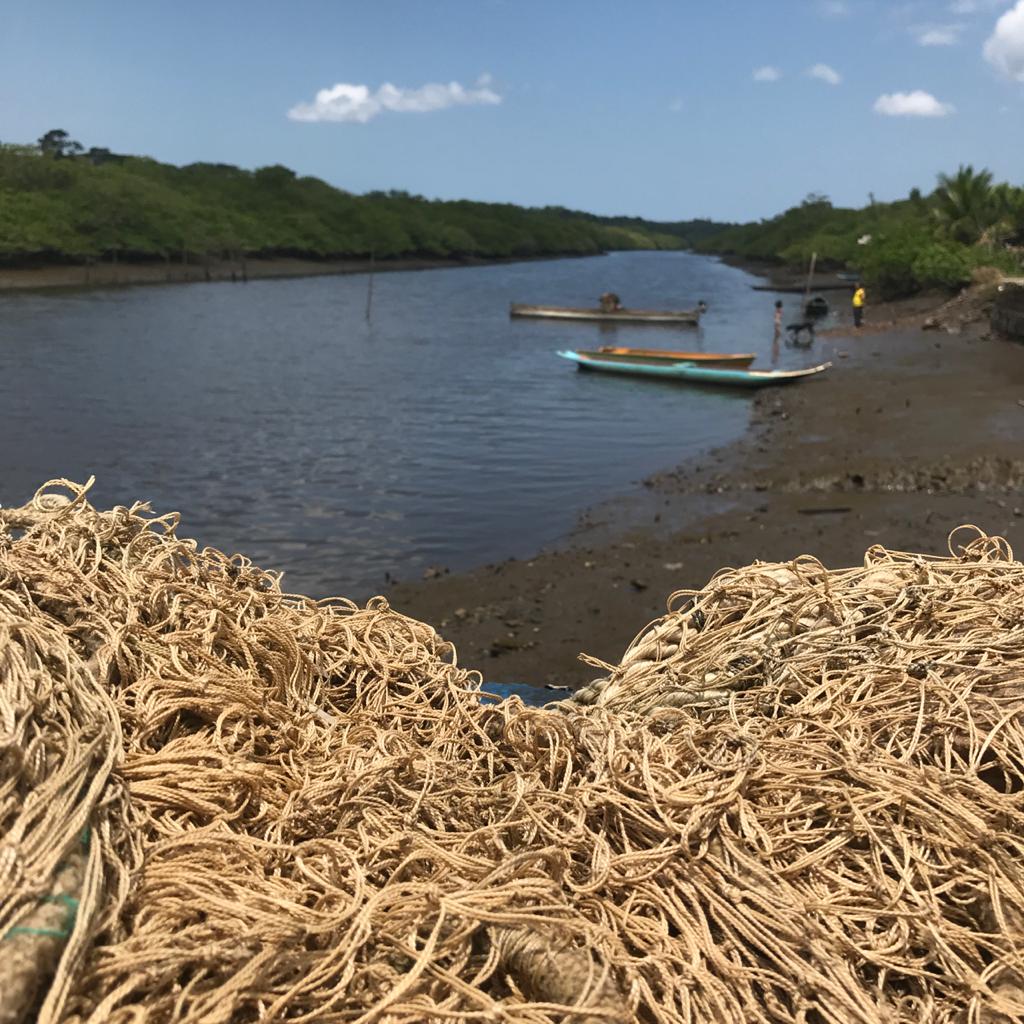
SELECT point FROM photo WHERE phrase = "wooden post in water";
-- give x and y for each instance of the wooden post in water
(810, 275)
(369, 289)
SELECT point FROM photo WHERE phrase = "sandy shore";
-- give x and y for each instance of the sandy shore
(105, 275)
(910, 434)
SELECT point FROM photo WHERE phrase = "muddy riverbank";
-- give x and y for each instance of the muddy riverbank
(105, 275)
(912, 433)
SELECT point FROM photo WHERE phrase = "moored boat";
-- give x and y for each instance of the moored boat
(693, 373)
(736, 359)
(686, 317)
(799, 289)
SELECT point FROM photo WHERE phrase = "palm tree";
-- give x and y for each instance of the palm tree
(964, 204)
(1009, 213)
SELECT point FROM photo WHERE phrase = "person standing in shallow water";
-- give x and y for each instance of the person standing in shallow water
(778, 332)
(859, 296)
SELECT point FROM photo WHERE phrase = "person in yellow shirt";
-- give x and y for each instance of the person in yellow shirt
(859, 295)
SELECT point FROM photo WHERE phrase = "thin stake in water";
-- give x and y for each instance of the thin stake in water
(369, 289)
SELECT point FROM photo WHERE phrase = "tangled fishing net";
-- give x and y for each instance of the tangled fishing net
(798, 798)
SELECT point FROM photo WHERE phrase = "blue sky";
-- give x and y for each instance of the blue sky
(653, 108)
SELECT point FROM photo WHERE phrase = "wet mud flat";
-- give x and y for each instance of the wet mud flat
(912, 433)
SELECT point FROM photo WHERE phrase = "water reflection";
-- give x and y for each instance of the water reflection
(284, 425)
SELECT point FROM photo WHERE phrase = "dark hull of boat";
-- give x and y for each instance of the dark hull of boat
(799, 289)
(685, 318)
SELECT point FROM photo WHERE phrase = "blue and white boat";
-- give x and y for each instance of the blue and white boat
(691, 372)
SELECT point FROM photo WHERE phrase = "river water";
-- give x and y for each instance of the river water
(282, 424)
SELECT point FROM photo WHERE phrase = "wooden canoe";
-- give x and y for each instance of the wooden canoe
(736, 359)
(686, 317)
(693, 373)
(799, 289)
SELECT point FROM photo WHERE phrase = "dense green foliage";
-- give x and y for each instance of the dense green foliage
(688, 232)
(899, 248)
(59, 203)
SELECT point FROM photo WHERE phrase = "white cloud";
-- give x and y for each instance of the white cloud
(1004, 49)
(676, 105)
(938, 35)
(347, 102)
(825, 73)
(834, 8)
(912, 104)
(767, 74)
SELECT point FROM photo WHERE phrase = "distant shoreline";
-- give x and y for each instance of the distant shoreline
(784, 277)
(107, 275)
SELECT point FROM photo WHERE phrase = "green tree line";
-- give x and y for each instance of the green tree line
(62, 203)
(924, 241)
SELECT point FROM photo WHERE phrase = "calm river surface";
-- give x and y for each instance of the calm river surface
(283, 425)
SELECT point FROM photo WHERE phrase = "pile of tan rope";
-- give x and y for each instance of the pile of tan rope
(798, 798)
